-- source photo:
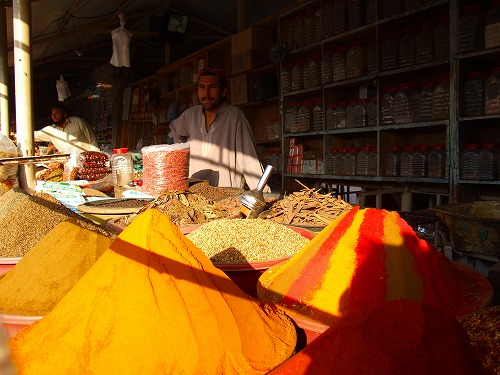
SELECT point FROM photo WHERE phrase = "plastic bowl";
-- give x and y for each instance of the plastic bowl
(14, 323)
(7, 263)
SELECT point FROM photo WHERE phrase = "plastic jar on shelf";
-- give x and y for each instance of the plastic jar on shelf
(492, 26)
(407, 47)
(372, 161)
(122, 166)
(350, 161)
(424, 50)
(329, 116)
(473, 103)
(406, 161)
(392, 7)
(338, 162)
(297, 75)
(318, 26)
(309, 26)
(349, 114)
(390, 54)
(441, 99)
(404, 103)
(487, 162)
(340, 23)
(355, 14)
(327, 66)
(425, 101)
(291, 116)
(441, 39)
(315, 69)
(339, 63)
(356, 60)
(290, 33)
(362, 162)
(492, 92)
(371, 56)
(471, 29)
(419, 162)
(328, 16)
(306, 74)
(298, 31)
(286, 78)
(330, 158)
(371, 11)
(387, 105)
(392, 161)
(304, 117)
(359, 114)
(436, 159)
(371, 111)
(339, 116)
(469, 162)
(318, 113)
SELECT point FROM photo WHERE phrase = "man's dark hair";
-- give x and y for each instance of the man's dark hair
(214, 72)
(61, 106)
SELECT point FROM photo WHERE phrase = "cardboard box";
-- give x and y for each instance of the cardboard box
(252, 38)
(239, 90)
(249, 59)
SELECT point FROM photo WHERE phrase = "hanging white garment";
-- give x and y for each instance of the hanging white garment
(62, 89)
(121, 40)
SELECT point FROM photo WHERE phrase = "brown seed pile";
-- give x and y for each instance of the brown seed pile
(483, 330)
(213, 192)
(246, 240)
(28, 222)
(122, 203)
(11, 199)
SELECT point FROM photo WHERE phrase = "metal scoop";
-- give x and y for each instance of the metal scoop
(253, 202)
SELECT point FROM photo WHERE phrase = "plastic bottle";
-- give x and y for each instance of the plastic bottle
(330, 158)
(355, 14)
(372, 162)
(406, 161)
(403, 103)
(298, 31)
(359, 114)
(392, 7)
(473, 104)
(318, 26)
(371, 111)
(424, 49)
(471, 29)
(425, 101)
(315, 69)
(362, 162)
(329, 116)
(122, 166)
(340, 22)
(328, 18)
(372, 56)
(387, 105)
(339, 116)
(338, 162)
(339, 63)
(392, 161)
(286, 78)
(407, 47)
(350, 119)
(442, 39)
(297, 75)
(306, 74)
(291, 117)
(327, 66)
(304, 117)
(469, 162)
(390, 51)
(371, 11)
(356, 60)
(350, 162)
(492, 26)
(318, 113)
(488, 162)
(309, 27)
(492, 92)
(290, 33)
(441, 99)
(436, 161)
(419, 162)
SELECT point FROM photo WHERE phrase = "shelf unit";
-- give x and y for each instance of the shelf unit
(454, 131)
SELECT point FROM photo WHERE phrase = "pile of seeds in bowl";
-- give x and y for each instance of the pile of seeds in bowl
(246, 240)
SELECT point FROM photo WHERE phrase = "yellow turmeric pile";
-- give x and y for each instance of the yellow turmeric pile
(50, 269)
(154, 304)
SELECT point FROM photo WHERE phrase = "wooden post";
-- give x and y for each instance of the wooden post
(4, 76)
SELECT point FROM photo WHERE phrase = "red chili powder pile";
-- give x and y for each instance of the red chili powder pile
(153, 303)
(366, 257)
(395, 337)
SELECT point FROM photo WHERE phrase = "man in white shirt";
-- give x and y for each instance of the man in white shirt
(68, 133)
(222, 148)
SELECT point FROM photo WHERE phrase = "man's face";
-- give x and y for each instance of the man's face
(58, 116)
(210, 92)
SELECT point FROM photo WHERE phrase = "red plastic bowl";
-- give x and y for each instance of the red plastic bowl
(14, 323)
(7, 263)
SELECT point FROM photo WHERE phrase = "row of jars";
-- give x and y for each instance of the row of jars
(416, 161)
(336, 64)
(273, 157)
(479, 27)
(481, 93)
(480, 162)
(352, 161)
(415, 45)
(408, 103)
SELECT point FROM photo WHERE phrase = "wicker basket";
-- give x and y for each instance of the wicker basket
(474, 227)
